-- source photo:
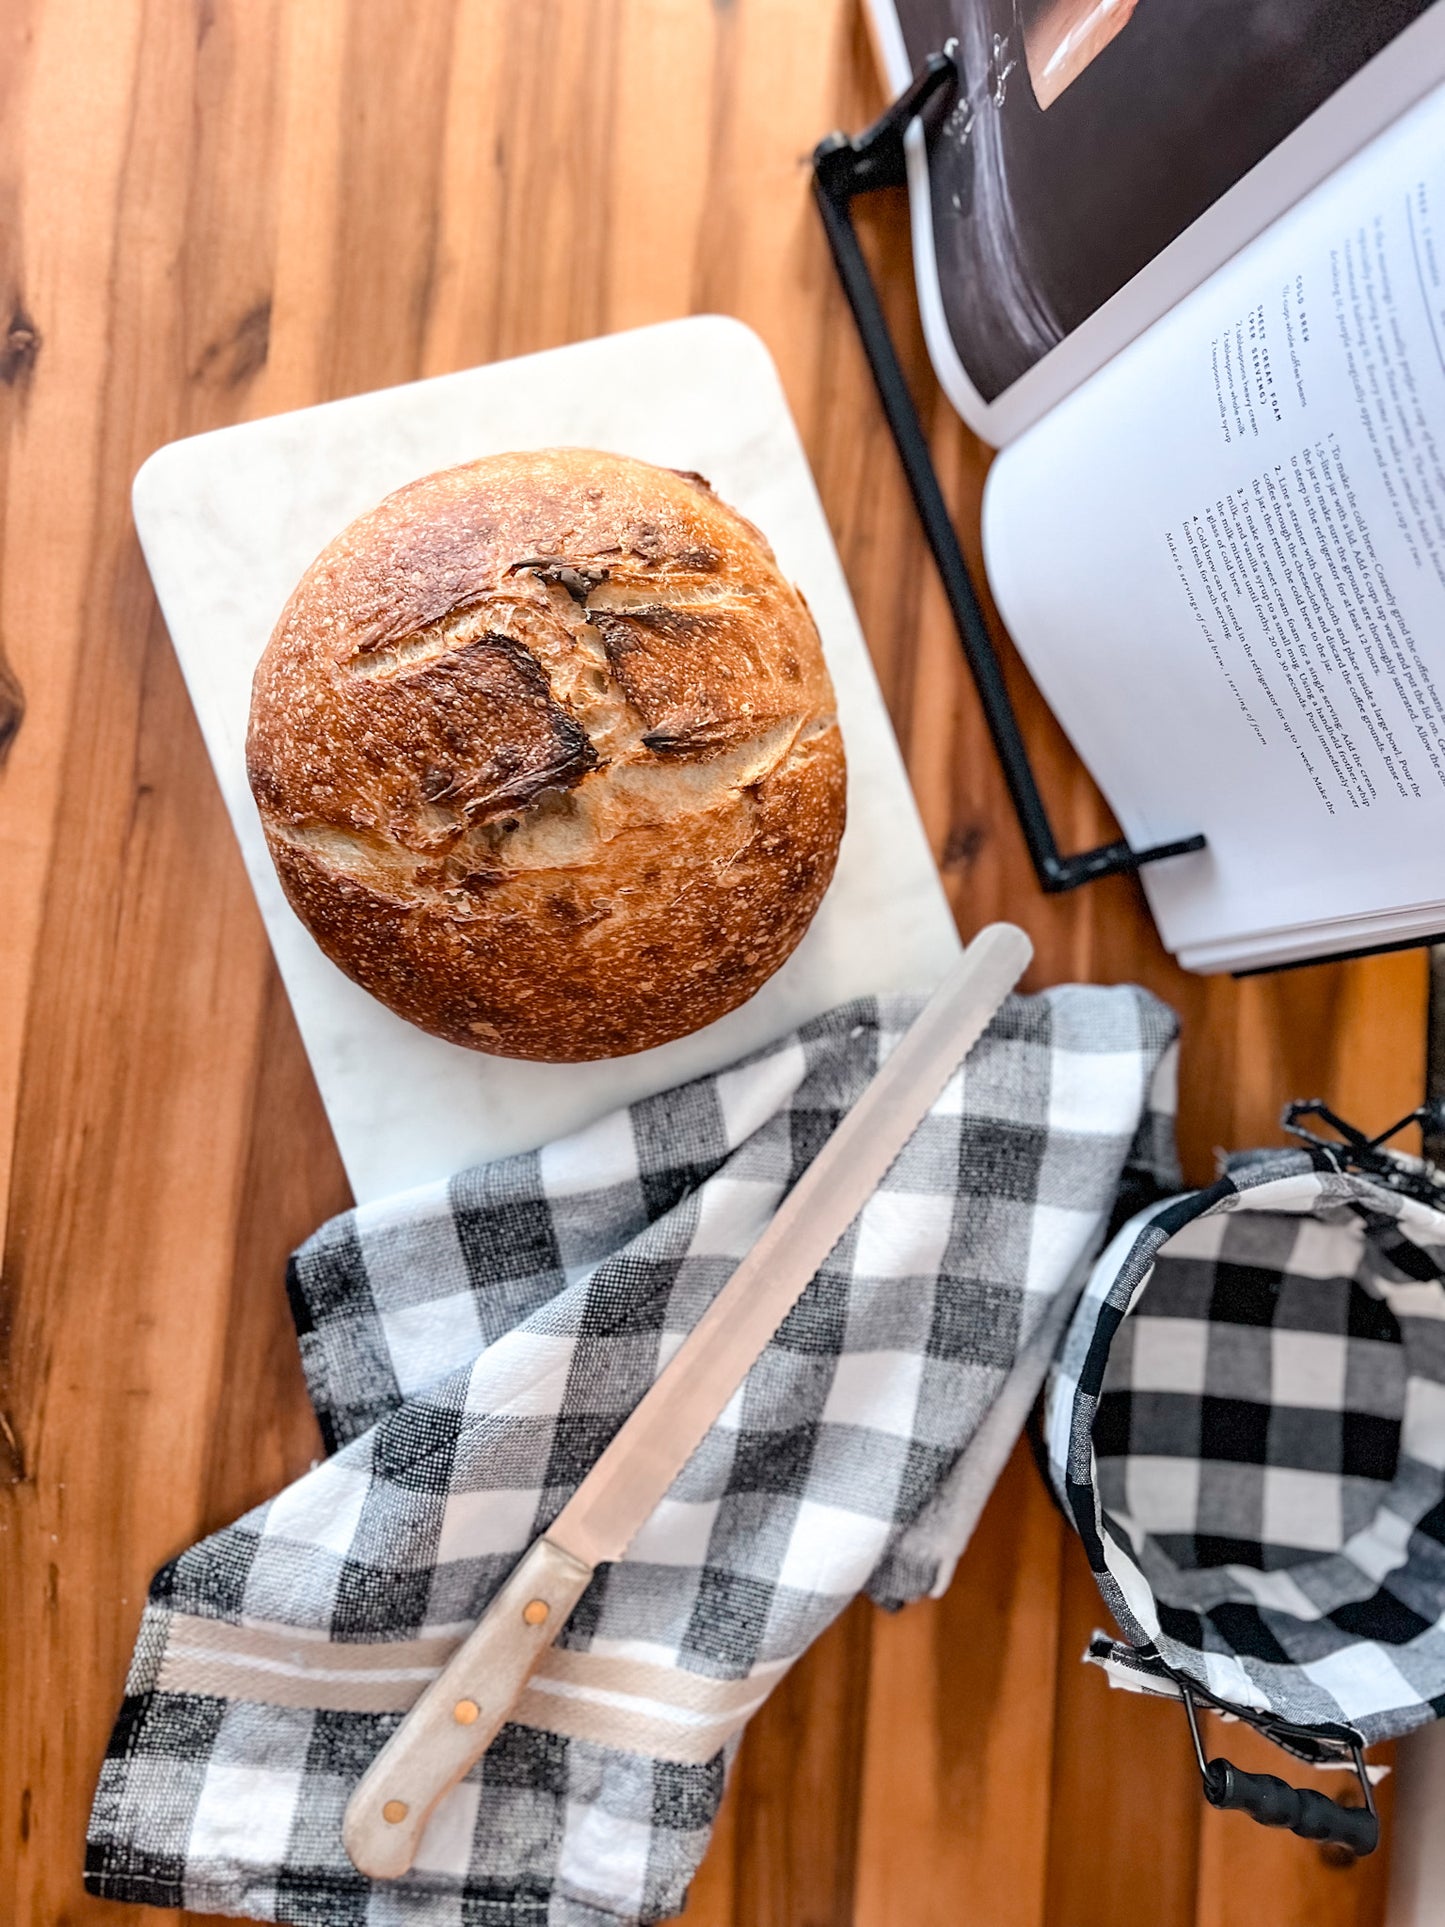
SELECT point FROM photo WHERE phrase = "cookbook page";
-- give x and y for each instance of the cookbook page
(1224, 560)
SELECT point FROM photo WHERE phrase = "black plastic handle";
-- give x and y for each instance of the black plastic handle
(1274, 1803)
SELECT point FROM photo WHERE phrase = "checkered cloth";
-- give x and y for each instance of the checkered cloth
(1247, 1425)
(471, 1349)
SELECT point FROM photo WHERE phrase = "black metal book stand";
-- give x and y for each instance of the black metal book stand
(842, 170)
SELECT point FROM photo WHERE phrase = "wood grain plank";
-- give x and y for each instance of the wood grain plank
(141, 1021)
(659, 234)
(955, 1802)
(1125, 1801)
(57, 243)
(395, 62)
(795, 1858)
(309, 119)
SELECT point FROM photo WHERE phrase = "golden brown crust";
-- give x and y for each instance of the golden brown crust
(545, 752)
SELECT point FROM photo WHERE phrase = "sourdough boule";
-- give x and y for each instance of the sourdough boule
(546, 755)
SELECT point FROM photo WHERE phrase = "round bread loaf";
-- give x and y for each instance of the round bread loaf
(546, 754)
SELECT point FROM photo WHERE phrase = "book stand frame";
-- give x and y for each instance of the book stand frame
(844, 168)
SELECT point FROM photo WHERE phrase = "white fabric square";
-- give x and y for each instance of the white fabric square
(652, 1652)
(478, 1523)
(1169, 1355)
(1094, 1092)
(244, 1815)
(1415, 1300)
(523, 1374)
(1278, 1591)
(1131, 1583)
(677, 1534)
(1164, 1085)
(603, 1858)
(392, 1906)
(603, 1154)
(428, 1340)
(1381, 1547)
(732, 1215)
(322, 1509)
(1302, 1509)
(1362, 1679)
(1422, 1429)
(1326, 1250)
(748, 1097)
(446, 1844)
(878, 1390)
(1058, 1239)
(1162, 1494)
(1307, 1369)
(831, 1549)
(1201, 1237)
(1227, 1680)
(950, 1098)
(730, 1418)
(903, 1234)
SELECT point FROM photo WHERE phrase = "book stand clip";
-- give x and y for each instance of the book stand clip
(842, 170)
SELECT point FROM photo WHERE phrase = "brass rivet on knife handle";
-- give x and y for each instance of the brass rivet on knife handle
(461, 1712)
(436, 1745)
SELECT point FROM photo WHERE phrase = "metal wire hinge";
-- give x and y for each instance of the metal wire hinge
(1351, 1150)
(1274, 1802)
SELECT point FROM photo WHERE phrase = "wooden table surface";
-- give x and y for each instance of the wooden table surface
(215, 209)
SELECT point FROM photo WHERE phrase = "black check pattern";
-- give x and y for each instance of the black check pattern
(1246, 1423)
(470, 1350)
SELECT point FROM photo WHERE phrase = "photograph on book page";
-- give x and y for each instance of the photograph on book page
(1088, 135)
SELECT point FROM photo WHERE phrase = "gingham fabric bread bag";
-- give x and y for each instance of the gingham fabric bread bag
(1246, 1425)
(471, 1349)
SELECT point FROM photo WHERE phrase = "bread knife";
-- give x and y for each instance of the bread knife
(461, 1712)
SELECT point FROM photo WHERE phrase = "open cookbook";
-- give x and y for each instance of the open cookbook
(1184, 262)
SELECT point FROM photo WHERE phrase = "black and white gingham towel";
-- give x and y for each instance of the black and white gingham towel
(471, 1349)
(1247, 1425)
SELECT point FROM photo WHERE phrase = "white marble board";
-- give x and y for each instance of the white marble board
(230, 520)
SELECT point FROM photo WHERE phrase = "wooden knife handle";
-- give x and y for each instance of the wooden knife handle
(460, 1713)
